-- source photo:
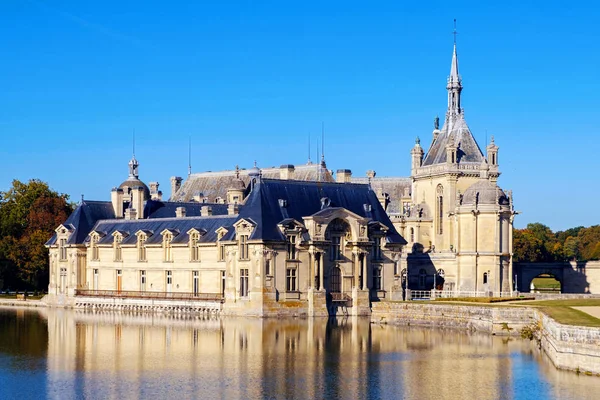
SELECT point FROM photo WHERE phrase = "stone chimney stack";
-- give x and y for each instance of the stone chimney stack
(206, 211)
(154, 192)
(286, 171)
(175, 185)
(343, 176)
(116, 197)
(137, 201)
(233, 209)
(180, 212)
(130, 214)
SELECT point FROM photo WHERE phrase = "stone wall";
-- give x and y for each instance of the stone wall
(568, 347)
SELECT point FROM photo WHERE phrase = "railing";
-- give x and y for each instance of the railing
(432, 294)
(132, 294)
(340, 297)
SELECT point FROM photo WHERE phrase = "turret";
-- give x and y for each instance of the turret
(416, 155)
(235, 193)
(492, 153)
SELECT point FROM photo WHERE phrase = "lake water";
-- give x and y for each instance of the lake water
(66, 354)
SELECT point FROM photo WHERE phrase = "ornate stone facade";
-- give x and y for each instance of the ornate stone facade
(294, 241)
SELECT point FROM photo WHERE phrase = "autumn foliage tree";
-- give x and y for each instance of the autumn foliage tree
(29, 213)
(537, 243)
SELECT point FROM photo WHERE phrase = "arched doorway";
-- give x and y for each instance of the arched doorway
(335, 285)
(545, 283)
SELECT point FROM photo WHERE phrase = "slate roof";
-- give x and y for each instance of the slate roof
(84, 218)
(180, 227)
(304, 199)
(468, 149)
(262, 208)
(215, 184)
(393, 186)
(166, 209)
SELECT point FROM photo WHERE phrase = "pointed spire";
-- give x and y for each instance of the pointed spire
(454, 76)
(454, 85)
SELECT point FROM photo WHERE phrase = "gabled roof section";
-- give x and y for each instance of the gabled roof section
(83, 220)
(468, 149)
(304, 199)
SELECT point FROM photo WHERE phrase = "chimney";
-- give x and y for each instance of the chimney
(137, 200)
(154, 193)
(175, 185)
(205, 211)
(286, 172)
(343, 176)
(233, 209)
(116, 197)
(180, 212)
(130, 214)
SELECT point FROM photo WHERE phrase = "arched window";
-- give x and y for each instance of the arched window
(485, 278)
(440, 209)
(412, 235)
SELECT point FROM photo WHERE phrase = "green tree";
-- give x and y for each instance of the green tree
(29, 213)
(589, 243)
(571, 248)
(527, 247)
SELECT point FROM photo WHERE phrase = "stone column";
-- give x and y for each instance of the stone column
(321, 270)
(365, 282)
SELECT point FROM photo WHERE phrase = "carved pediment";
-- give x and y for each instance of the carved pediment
(244, 226)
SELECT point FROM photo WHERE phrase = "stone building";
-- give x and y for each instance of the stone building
(295, 241)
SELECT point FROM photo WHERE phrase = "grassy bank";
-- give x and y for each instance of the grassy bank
(561, 311)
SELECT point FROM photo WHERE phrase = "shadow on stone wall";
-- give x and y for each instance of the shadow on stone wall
(572, 276)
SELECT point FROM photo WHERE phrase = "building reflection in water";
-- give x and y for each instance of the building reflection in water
(113, 355)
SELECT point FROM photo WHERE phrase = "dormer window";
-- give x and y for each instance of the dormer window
(167, 249)
(292, 253)
(62, 244)
(194, 249)
(94, 247)
(118, 251)
(141, 244)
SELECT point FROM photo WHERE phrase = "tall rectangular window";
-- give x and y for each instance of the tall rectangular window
(377, 278)
(196, 283)
(94, 247)
(194, 249)
(291, 281)
(118, 250)
(142, 248)
(336, 248)
(244, 253)
(168, 251)
(291, 247)
(221, 252)
(169, 281)
(143, 281)
(376, 248)
(243, 282)
(63, 249)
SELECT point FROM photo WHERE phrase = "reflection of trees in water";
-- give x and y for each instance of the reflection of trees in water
(23, 333)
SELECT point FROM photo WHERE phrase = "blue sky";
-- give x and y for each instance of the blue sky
(253, 80)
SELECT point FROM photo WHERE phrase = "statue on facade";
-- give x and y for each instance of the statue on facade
(436, 123)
